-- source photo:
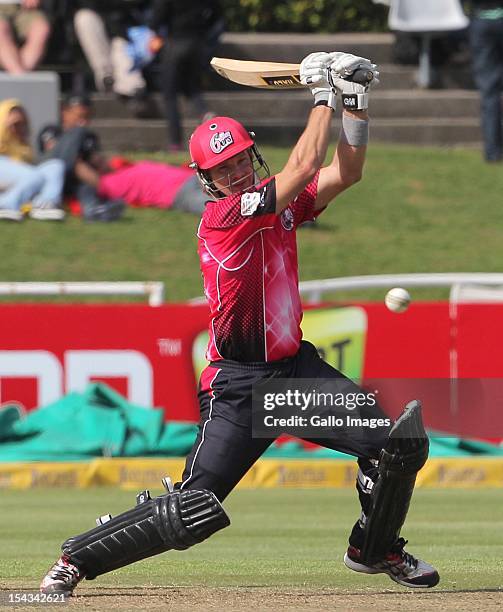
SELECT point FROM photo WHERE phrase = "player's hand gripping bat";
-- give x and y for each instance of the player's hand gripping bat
(271, 75)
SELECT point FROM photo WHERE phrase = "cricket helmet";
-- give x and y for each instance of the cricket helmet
(217, 140)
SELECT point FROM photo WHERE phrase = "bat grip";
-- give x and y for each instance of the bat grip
(361, 76)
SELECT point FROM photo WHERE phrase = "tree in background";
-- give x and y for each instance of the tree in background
(329, 16)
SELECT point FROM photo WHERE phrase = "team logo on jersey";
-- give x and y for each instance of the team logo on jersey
(287, 219)
(250, 202)
(220, 141)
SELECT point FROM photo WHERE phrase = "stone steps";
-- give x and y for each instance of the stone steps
(278, 47)
(392, 76)
(444, 117)
(293, 47)
(376, 46)
(402, 113)
(294, 104)
(129, 134)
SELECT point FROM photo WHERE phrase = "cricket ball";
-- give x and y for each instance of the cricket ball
(397, 299)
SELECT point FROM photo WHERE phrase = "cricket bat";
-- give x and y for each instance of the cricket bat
(270, 75)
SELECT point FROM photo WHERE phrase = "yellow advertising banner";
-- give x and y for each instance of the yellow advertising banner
(338, 334)
(41, 474)
(137, 474)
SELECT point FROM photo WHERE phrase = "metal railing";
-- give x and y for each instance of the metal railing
(313, 290)
(153, 289)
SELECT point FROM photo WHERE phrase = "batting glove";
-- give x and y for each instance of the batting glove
(314, 74)
(353, 76)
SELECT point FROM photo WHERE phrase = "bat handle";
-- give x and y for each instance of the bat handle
(361, 76)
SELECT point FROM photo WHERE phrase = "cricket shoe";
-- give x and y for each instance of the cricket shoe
(62, 578)
(400, 566)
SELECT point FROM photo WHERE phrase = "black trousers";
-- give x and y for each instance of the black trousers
(181, 72)
(225, 449)
(486, 39)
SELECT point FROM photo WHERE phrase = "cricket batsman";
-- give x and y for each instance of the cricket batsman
(248, 256)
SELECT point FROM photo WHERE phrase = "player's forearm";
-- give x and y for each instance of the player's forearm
(363, 115)
(346, 167)
(309, 153)
(306, 158)
(351, 150)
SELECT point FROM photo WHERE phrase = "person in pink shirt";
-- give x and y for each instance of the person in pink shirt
(101, 183)
(150, 183)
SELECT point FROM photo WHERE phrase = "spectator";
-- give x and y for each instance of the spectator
(149, 183)
(183, 54)
(25, 21)
(143, 183)
(76, 111)
(96, 181)
(103, 35)
(486, 41)
(79, 148)
(23, 183)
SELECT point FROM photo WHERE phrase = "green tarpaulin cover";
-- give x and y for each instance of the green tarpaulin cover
(96, 423)
(100, 422)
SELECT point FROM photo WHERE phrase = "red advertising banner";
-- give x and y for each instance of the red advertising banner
(153, 355)
(145, 353)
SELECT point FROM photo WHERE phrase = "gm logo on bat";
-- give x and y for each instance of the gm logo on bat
(289, 80)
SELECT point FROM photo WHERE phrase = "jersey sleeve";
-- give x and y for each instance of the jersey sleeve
(302, 206)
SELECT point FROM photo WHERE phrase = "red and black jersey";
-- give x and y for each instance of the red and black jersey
(248, 258)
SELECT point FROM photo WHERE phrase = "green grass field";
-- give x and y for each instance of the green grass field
(416, 210)
(278, 538)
